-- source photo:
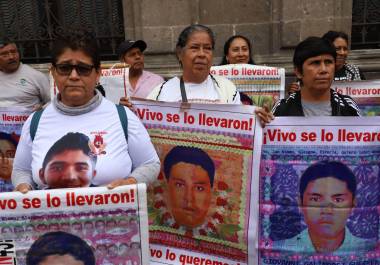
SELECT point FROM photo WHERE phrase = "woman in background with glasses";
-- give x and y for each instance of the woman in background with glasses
(119, 146)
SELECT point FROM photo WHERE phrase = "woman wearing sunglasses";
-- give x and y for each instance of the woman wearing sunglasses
(120, 148)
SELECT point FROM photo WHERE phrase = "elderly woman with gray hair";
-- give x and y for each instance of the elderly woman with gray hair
(194, 50)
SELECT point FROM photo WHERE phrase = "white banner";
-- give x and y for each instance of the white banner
(263, 84)
(111, 225)
(199, 206)
(319, 186)
(365, 93)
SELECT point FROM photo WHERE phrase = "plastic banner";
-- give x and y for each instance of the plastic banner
(89, 225)
(199, 207)
(365, 93)
(11, 122)
(264, 85)
(318, 185)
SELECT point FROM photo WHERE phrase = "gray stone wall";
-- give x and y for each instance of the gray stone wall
(274, 26)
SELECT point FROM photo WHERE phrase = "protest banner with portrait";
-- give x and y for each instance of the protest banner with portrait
(11, 122)
(365, 93)
(96, 226)
(199, 206)
(113, 79)
(319, 186)
(264, 85)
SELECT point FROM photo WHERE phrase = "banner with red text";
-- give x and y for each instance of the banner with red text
(11, 122)
(365, 93)
(199, 207)
(111, 225)
(264, 85)
(114, 80)
(319, 191)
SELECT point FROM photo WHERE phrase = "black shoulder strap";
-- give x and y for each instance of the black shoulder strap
(213, 79)
(183, 91)
(123, 120)
(159, 92)
(34, 123)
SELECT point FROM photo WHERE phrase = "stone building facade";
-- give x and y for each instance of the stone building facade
(274, 26)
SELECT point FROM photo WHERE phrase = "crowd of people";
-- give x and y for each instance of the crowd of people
(81, 139)
(76, 71)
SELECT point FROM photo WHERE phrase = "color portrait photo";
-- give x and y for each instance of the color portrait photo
(319, 202)
(200, 203)
(11, 122)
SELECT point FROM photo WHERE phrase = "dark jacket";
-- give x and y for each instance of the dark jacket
(349, 72)
(341, 105)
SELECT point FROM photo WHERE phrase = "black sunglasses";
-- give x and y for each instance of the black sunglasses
(81, 69)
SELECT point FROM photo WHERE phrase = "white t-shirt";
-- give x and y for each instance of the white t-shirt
(119, 159)
(26, 87)
(205, 92)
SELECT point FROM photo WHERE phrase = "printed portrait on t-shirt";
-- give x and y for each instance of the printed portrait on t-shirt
(69, 163)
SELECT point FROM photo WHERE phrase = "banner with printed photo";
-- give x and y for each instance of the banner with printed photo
(199, 206)
(11, 122)
(319, 186)
(263, 84)
(114, 80)
(365, 93)
(93, 225)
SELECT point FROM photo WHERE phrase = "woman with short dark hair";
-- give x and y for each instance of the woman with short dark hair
(117, 138)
